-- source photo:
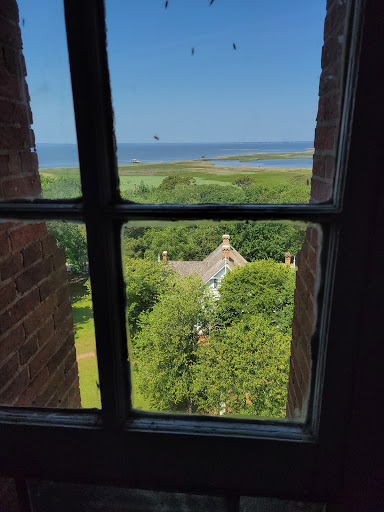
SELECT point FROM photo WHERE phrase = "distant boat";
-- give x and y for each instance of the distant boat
(135, 161)
(203, 156)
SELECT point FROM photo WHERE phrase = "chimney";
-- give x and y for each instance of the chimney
(226, 247)
(165, 255)
(287, 259)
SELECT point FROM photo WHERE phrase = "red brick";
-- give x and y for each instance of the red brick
(10, 33)
(63, 295)
(18, 311)
(65, 328)
(9, 87)
(329, 108)
(25, 187)
(53, 283)
(32, 253)
(11, 266)
(29, 161)
(26, 234)
(9, 370)
(59, 258)
(324, 166)
(27, 351)
(14, 163)
(320, 191)
(14, 62)
(13, 137)
(329, 81)
(14, 388)
(52, 389)
(45, 333)
(312, 260)
(35, 387)
(34, 275)
(13, 113)
(61, 313)
(4, 163)
(8, 9)
(41, 358)
(331, 51)
(70, 377)
(325, 137)
(49, 245)
(60, 356)
(11, 342)
(7, 294)
(71, 359)
(39, 316)
(4, 244)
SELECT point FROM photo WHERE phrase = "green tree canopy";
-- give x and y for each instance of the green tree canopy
(164, 348)
(243, 370)
(71, 237)
(144, 280)
(263, 287)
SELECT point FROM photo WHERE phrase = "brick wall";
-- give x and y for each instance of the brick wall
(326, 138)
(37, 353)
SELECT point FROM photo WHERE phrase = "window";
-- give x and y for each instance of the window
(168, 452)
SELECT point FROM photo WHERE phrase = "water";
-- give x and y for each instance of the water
(297, 163)
(65, 155)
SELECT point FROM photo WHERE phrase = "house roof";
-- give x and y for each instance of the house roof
(211, 265)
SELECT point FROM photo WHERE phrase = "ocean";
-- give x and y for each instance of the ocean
(65, 155)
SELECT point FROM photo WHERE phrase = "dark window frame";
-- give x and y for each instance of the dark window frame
(125, 447)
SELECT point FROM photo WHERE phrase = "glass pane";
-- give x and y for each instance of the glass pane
(47, 340)
(215, 103)
(53, 160)
(220, 316)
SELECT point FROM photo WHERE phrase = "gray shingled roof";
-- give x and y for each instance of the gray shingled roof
(210, 265)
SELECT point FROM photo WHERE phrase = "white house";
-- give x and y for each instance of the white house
(214, 267)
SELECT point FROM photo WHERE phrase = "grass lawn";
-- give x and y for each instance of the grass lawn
(85, 342)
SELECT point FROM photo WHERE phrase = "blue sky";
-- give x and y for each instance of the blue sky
(265, 90)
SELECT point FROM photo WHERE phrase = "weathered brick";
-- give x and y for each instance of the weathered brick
(13, 61)
(10, 33)
(40, 315)
(325, 137)
(25, 234)
(32, 253)
(10, 88)
(8, 9)
(34, 275)
(8, 370)
(15, 387)
(329, 108)
(52, 389)
(54, 282)
(4, 162)
(5, 246)
(49, 245)
(42, 357)
(13, 113)
(321, 191)
(35, 387)
(63, 295)
(11, 266)
(27, 351)
(11, 342)
(61, 313)
(14, 163)
(46, 331)
(24, 187)
(13, 137)
(19, 310)
(59, 258)
(8, 294)
(60, 356)
(29, 161)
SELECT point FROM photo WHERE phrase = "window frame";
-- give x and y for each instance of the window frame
(165, 451)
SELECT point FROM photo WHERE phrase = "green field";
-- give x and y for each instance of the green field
(85, 342)
(202, 172)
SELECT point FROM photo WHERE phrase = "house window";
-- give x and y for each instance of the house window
(121, 445)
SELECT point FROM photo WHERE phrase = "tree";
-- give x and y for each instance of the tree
(260, 288)
(144, 280)
(71, 237)
(243, 370)
(164, 348)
